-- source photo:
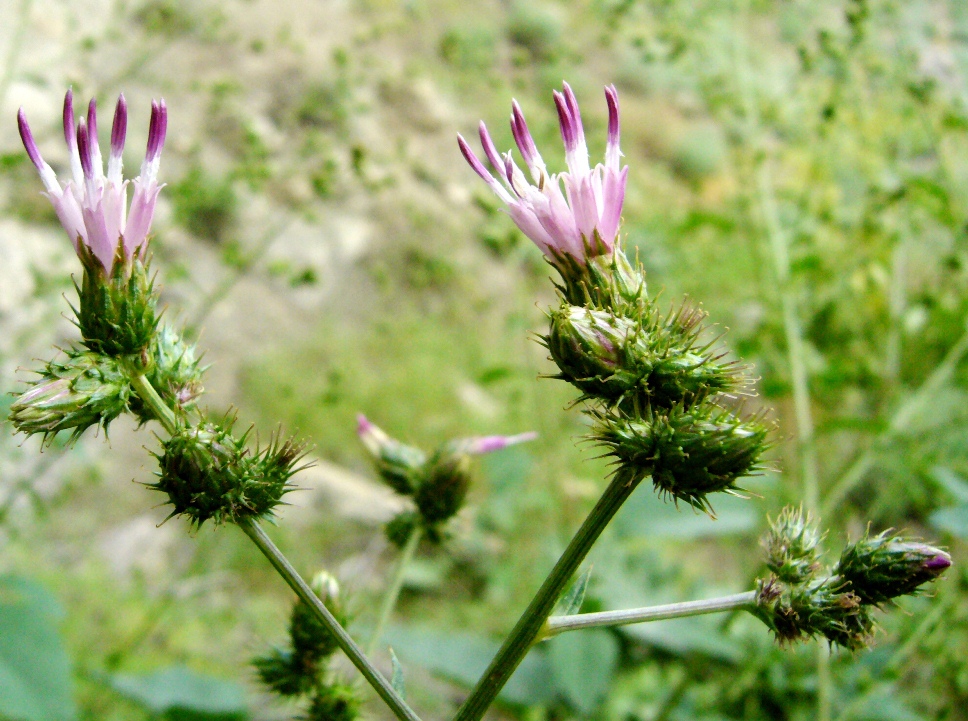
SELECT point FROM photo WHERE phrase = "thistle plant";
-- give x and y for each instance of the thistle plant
(660, 393)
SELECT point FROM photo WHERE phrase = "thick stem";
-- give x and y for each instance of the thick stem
(343, 639)
(149, 396)
(519, 642)
(560, 624)
(393, 592)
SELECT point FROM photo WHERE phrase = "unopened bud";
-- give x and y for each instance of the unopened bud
(311, 640)
(444, 488)
(83, 390)
(400, 466)
(688, 453)
(886, 566)
(639, 360)
(334, 702)
(824, 608)
(792, 546)
(208, 473)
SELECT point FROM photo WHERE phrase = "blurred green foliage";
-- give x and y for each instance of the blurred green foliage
(837, 130)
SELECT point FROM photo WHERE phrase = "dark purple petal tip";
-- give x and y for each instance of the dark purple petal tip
(611, 97)
(84, 150)
(69, 118)
(92, 120)
(119, 127)
(938, 563)
(157, 129)
(28, 139)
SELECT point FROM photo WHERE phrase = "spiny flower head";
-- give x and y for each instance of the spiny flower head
(575, 213)
(882, 567)
(93, 206)
(793, 546)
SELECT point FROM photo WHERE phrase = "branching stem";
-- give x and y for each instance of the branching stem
(524, 634)
(393, 592)
(346, 643)
(560, 624)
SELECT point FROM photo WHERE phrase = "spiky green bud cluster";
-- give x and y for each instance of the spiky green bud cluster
(300, 670)
(437, 485)
(688, 452)
(208, 473)
(74, 393)
(793, 546)
(802, 598)
(882, 567)
(117, 310)
(173, 371)
(653, 385)
(819, 608)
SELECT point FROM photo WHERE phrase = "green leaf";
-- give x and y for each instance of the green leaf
(35, 675)
(180, 694)
(583, 665)
(953, 519)
(645, 514)
(571, 602)
(462, 658)
(397, 679)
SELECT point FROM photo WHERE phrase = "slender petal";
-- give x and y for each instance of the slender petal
(119, 130)
(70, 136)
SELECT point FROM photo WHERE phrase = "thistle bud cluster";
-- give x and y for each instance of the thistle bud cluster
(802, 598)
(300, 670)
(117, 309)
(654, 385)
(209, 473)
(436, 484)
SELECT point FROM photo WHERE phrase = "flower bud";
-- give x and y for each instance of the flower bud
(792, 546)
(84, 390)
(400, 466)
(311, 640)
(823, 608)
(885, 566)
(641, 364)
(689, 453)
(116, 315)
(209, 474)
(399, 528)
(280, 671)
(334, 702)
(445, 485)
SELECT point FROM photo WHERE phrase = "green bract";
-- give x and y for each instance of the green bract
(116, 314)
(688, 452)
(83, 390)
(210, 474)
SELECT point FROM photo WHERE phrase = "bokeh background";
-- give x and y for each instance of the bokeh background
(800, 167)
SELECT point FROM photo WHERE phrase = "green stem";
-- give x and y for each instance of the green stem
(393, 592)
(524, 634)
(149, 396)
(915, 404)
(166, 416)
(560, 624)
(343, 639)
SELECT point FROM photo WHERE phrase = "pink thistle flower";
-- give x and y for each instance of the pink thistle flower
(575, 213)
(93, 206)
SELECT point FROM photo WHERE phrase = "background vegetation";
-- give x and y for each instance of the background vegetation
(800, 167)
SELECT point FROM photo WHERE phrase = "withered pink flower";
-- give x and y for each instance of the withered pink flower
(93, 206)
(577, 212)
